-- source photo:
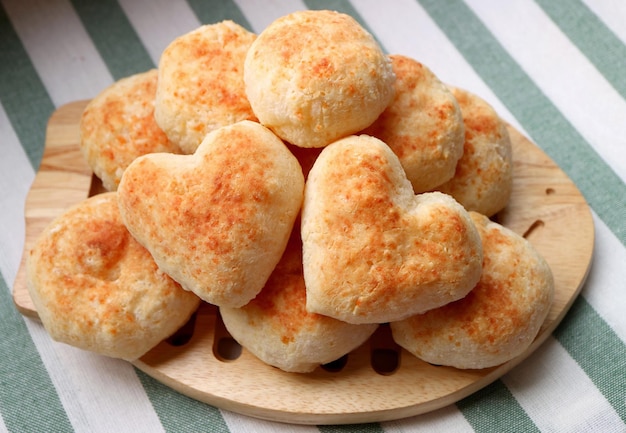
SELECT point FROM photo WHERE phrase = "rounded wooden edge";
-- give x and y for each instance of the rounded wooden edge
(229, 386)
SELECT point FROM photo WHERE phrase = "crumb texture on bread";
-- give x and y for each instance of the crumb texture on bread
(374, 251)
(218, 220)
(96, 288)
(315, 76)
(498, 320)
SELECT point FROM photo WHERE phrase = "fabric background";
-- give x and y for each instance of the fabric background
(554, 69)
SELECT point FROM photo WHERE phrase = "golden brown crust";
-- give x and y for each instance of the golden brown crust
(216, 221)
(276, 327)
(422, 125)
(483, 178)
(316, 76)
(498, 319)
(118, 126)
(200, 84)
(96, 288)
(373, 251)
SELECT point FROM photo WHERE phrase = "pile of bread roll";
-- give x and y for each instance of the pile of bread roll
(307, 184)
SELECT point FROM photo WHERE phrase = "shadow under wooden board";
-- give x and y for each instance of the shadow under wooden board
(545, 207)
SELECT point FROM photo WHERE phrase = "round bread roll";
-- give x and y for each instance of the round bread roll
(422, 125)
(95, 288)
(200, 84)
(216, 221)
(375, 252)
(498, 319)
(277, 329)
(484, 175)
(118, 126)
(315, 76)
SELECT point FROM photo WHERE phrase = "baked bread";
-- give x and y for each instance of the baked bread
(375, 252)
(200, 84)
(95, 288)
(276, 328)
(216, 221)
(483, 178)
(422, 125)
(498, 320)
(118, 125)
(315, 76)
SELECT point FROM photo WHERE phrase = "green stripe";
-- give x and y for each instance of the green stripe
(597, 42)
(22, 93)
(114, 37)
(213, 12)
(28, 400)
(494, 409)
(351, 428)
(343, 6)
(602, 188)
(181, 413)
(598, 351)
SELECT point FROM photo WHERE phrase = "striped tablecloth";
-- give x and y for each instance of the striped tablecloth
(556, 70)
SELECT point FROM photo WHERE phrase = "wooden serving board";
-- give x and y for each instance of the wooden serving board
(376, 382)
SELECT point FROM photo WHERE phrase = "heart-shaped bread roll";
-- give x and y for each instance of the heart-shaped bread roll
(498, 319)
(216, 221)
(200, 86)
(95, 288)
(118, 125)
(315, 76)
(423, 125)
(277, 329)
(483, 178)
(375, 252)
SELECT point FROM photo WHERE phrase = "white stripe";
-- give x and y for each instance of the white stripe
(75, 70)
(604, 289)
(415, 34)
(261, 14)
(241, 423)
(612, 13)
(3, 427)
(159, 22)
(562, 73)
(16, 175)
(447, 419)
(99, 394)
(557, 395)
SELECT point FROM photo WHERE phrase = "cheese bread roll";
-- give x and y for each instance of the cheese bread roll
(315, 76)
(96, 288)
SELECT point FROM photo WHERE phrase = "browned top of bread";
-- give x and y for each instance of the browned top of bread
(276, 327)
(373, 251)
(96, 288)
(216, 221)
(483, 178)
(315, 76)
(422, 125)
(498, 319)
(200, 84)
(118, 125)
